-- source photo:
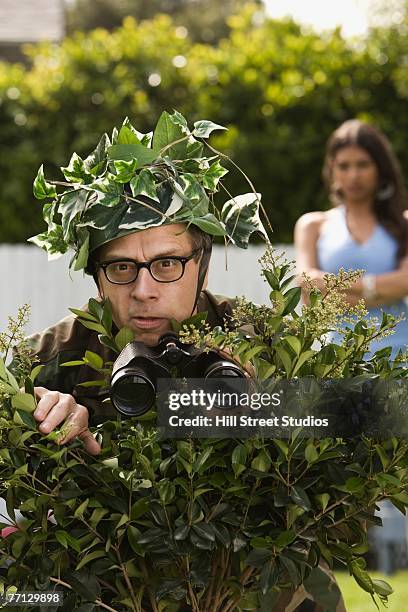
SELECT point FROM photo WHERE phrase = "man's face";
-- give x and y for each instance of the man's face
(145, 305)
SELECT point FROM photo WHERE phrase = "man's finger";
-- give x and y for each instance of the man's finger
(91, 445)
(46, 401)
(59, 412)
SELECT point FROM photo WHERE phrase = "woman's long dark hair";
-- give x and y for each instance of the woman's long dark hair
(391, 198)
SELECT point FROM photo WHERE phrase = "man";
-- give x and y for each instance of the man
(137, 214)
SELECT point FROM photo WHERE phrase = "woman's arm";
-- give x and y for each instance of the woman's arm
(388, 287)
(307, 231)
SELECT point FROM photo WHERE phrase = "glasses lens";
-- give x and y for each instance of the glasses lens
(121, 272)
(166, 270)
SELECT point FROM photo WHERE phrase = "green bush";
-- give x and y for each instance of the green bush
(201, 524)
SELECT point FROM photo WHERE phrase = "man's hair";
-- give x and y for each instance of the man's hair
(200, 241)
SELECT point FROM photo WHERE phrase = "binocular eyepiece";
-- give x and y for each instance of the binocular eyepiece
(137, 369)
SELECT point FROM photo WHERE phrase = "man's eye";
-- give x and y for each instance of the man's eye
(167, 263)
(121, 267)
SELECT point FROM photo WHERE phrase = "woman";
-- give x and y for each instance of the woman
(366, 229)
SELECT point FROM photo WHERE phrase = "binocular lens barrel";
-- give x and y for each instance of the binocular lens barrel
(223, 369)
(133, 394)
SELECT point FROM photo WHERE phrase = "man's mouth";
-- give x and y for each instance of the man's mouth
(148, 322)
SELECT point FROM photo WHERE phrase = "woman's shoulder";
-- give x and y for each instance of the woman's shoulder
(312, 222)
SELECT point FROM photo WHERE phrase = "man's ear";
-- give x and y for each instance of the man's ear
(99, 287)
(205, 283)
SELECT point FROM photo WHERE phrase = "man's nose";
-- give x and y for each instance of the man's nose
(144, 287)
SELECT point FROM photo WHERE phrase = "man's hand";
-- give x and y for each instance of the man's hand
(54, 408)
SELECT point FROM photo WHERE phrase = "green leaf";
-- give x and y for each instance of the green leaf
(258, 557)
(283, 446)
(292, 299)
(167, 491)
(261, 462)
(82, 314)
(133, 535)
(294, 343)
(95, 360)
(311, 453)
(169, 130)
(123, 337)
(67, 540)
(128, 152)
(203, 128)
(81, 259)
(361, 576)
(385, 460)
(127, 136)
(285, 358)
(139, 508)
(323, 500)
(79, 512)
(41, 188)
(238, 459)
(21, 417)
(35, 371)
(96, 554)
(210, 225)
(300, 497)
(382, 588)
(302, 360)
(24, 401)
(3, 372)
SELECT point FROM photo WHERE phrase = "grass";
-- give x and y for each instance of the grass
(357, 600)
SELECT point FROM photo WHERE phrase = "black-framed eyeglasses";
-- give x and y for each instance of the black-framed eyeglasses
(162, 269)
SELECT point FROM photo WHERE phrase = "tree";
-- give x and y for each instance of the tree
(204, 20)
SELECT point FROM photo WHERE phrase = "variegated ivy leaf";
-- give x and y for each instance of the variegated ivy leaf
(212, 176)
(52, 241)
(125, 170)
(202, 129)
(108, 191)
(76, 171)
(144, 184)
(70, 205)
(41, 188)
(241, 218)
(95, 163)
(128, 134)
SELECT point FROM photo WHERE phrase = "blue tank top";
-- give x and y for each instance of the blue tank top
(336, 249)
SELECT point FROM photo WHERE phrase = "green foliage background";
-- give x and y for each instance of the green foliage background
(283, 88)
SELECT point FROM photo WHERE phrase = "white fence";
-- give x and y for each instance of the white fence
(27, 277)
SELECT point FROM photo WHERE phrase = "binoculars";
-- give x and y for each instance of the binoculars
(136, 371)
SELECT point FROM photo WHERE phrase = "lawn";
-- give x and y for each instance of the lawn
(357, 600)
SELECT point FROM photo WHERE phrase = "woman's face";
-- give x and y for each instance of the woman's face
(355, 174)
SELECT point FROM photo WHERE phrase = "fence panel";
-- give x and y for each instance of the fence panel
(27, 277)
